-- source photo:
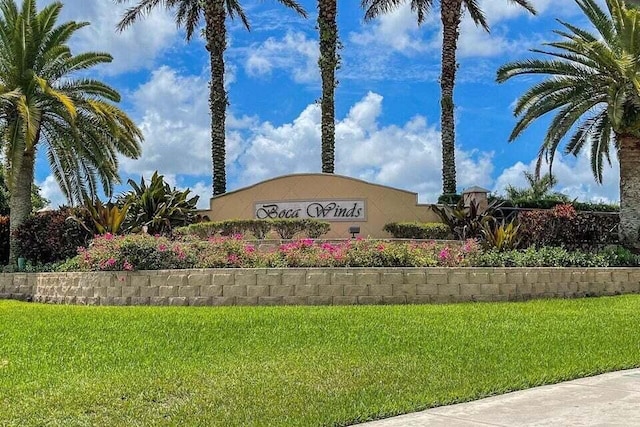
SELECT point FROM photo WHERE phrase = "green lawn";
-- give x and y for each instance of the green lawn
(68, 365)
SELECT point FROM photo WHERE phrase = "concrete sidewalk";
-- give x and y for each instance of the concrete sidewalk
(604, 400)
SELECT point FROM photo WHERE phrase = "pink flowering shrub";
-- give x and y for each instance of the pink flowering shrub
(134, 252)
(143, 252)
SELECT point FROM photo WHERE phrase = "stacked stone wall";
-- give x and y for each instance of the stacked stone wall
(317, 286)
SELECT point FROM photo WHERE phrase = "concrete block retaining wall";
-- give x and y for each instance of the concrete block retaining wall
(317, 286)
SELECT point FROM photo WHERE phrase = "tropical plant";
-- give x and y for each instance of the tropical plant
(539, 189)
(594, 88)
(104, 217)
(466, 222)
(188, 14)
(501, 235)
(157, 206)
(451, 15)
(328, 62)
(43, 106)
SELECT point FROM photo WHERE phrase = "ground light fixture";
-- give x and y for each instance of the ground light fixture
(354, 230)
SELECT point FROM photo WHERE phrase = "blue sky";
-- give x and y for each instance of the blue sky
(387, 102)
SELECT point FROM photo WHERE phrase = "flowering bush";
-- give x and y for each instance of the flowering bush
(563, 226)
(144, 252)
(51, 236)
(139, 252)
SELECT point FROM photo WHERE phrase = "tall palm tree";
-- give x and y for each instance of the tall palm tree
(215, 12)
(44, 107)
(451, 15)
(593, 86)
(328, 62)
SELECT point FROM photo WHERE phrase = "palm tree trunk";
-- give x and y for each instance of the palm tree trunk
(629, 156)
(328, 62)
(450, 14)
(20, 201)
(216, 35)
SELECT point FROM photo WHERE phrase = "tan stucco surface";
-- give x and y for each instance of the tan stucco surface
(384, 204)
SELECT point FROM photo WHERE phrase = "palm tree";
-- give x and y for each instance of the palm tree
(593, 86)
(215, 12)
(539, 188)
(328, 62)
(43, 107)
(451, 15)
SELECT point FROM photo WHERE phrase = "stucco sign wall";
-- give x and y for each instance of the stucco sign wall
(327, 210)
(343, 201)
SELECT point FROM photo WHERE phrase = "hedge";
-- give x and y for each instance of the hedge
(259, 228)
(417, 230)
(550, 204)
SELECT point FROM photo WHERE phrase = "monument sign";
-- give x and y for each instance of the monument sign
(342, 201)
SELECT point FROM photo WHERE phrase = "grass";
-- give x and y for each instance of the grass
(70, 365)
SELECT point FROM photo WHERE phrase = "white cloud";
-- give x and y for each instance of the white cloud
(398, 30)
(177, 142)
(475, 42)
(406, 156)
(49, 189)
(294, 53)
(135, 48)
(175, 120)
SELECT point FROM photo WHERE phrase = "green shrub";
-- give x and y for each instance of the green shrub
(539, 257)
(595, 207)
(314, 228)
(619, 256)
(51, 236)
(259, 228)
(449, 199)
(203, 230)
(550, 204)
(234, 227)
(287, 228)
(4, 240)
(418, 230)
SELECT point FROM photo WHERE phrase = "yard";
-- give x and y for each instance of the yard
(77, 365)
